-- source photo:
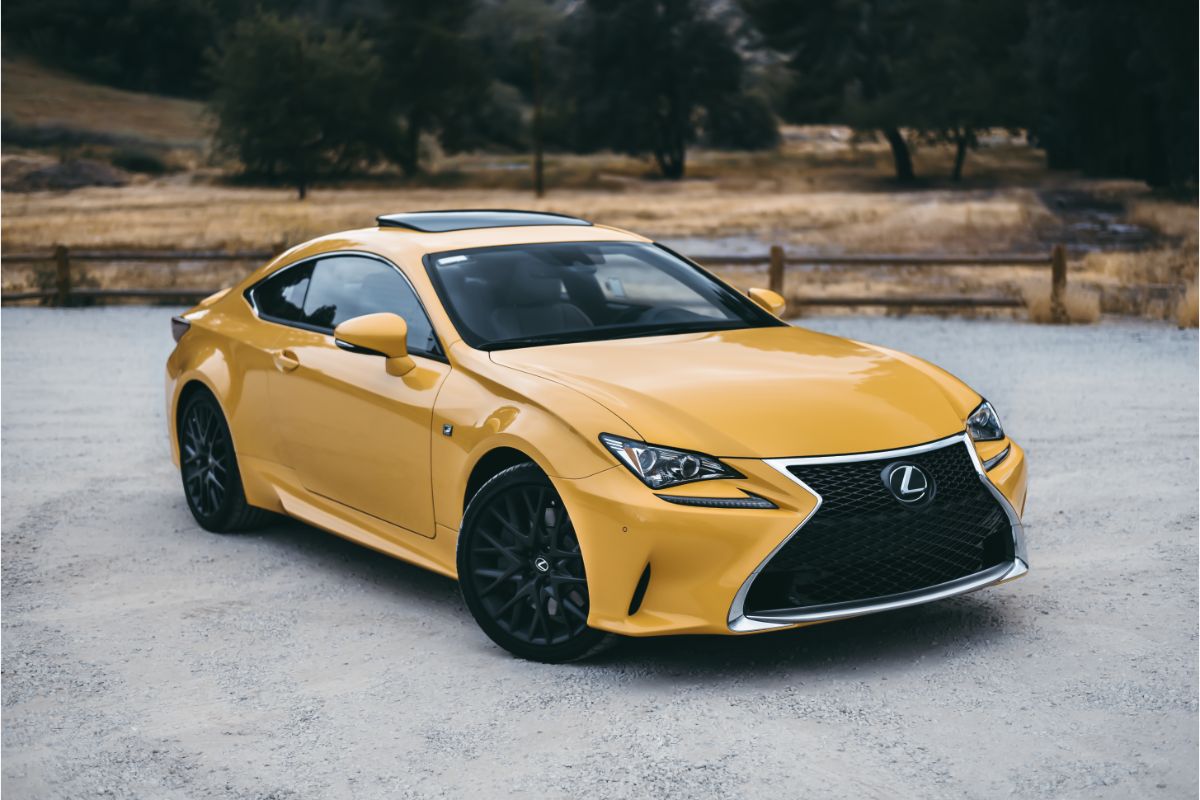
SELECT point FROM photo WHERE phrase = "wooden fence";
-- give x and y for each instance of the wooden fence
(65, 293)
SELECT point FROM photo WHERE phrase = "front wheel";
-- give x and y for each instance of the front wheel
(521, 571)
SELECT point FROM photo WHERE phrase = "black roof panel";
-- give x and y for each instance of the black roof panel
(467, 219)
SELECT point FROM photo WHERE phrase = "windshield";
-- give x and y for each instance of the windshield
(537, 294)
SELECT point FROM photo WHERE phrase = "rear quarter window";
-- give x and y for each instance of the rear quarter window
(282, 296)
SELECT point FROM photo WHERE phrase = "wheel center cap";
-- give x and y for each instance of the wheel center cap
(541, 564)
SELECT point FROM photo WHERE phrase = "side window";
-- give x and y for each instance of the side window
(344, 287)
(282, 295)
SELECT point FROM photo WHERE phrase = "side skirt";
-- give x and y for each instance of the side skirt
(291, 498)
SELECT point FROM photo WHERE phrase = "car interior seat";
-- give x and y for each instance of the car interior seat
(531, 302)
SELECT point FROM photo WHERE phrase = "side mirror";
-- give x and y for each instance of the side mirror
(769, 300)
(381, 334)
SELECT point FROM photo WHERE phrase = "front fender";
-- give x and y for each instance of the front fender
(490, 406)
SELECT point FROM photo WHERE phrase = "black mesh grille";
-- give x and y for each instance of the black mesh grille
(863, 543)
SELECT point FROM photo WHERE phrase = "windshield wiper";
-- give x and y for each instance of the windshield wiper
(668, 328)
(604, 334)
(535, 341)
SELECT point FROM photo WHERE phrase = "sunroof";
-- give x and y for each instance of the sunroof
(467, 219)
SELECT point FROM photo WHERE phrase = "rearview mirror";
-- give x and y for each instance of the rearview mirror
(382, 334)
(772, 302)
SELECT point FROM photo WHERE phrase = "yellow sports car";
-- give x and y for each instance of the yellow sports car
(592, 433)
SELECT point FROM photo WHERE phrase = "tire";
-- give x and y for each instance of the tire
(521, 572)
(212, 482)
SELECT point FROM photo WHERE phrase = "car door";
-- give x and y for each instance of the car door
(352, 432)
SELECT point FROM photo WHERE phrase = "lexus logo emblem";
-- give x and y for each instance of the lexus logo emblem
(908, 483)
(541, 564)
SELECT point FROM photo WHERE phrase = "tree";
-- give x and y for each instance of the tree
(967, 75)
(150, 45)
(646, 73)
(943, 69)
(436, 81)
(295, 104)
(1116, 87)
(740, 122)
(843, 54)
(520, 44)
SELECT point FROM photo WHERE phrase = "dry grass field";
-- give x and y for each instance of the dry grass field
(171, 213)
(701, 216)
(823, 192)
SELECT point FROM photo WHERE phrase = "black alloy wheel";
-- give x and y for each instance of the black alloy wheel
(521, 570)
(212, 482)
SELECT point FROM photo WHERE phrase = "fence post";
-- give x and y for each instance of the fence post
(1058, 285)
(775, 271)
(62, 275)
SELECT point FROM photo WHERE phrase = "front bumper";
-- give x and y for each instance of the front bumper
(703, 561)
(1001, 573)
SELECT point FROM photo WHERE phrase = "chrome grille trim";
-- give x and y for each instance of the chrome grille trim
(996, 459)
(741, 623)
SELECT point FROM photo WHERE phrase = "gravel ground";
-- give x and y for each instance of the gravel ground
(143, 657)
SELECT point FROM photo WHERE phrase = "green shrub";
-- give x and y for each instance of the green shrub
(137, 160)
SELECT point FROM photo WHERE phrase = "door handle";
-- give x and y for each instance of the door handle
(286, 361)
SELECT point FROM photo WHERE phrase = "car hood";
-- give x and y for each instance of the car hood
(759, 392)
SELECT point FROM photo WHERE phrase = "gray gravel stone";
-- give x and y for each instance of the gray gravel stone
(143, 657)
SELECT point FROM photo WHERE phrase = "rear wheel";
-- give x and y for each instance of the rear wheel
(521, 571)
(212, 482)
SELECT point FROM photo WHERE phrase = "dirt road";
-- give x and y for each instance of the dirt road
(143, 657)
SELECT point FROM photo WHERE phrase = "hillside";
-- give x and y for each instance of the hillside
(37, 97)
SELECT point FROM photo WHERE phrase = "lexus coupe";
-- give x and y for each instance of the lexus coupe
(594, 435)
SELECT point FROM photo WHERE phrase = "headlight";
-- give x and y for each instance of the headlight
(659, 467)
(984, 424)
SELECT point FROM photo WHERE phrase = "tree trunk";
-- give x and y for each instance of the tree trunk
(960, 155)
(1156, 145)
(670, 137)
(671, 162)
(900, 155)
(671, 151)
(301, 189)
(539, 181)
(409, 155)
